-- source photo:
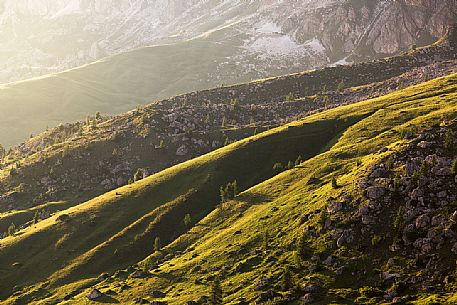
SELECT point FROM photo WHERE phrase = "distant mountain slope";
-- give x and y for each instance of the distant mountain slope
(230, 42)
(242, 240)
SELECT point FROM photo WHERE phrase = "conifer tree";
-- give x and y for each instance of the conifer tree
(157, 244)
(187, 220)
(286, 279)
(216, 292)
(2, 152)
(12, 229)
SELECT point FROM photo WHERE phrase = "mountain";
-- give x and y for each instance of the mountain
(67, 165)
(327, 228)
(198, 45)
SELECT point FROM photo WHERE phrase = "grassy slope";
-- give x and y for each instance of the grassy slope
(112, 85)
(119, 222)
(275, 205)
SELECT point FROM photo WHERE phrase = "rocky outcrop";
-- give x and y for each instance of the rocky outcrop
(301, 34)
(415, 213)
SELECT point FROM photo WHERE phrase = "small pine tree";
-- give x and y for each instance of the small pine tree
(234, 188)
(157, 244)
(454, 167)
(138, 175)
(334, 183)
(98, 116)
(187, 220)
(286, 283)
(297, 260)
(341, 86)
(302, 247)
(290, 165)
(11, 229)
(235, 103)
(222, 194)
(278, 167)
(298, 161)
(290, 97)
(397, 185)
(449, 142)
(2, 152)
(266, 240)
(216, 292)
(36, 217)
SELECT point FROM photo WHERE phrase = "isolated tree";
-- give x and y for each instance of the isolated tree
(235, 103)
(222, 194)
(454, 167)
(298, 161)
(266, 240)
(334, 182)
(278, 167)
(98, 116)
(157, 244)
(36, 217)
(207, 119)
(326, 101)
(216, 292)
(286, 283)
(302, 246)
(138, 175)
(290, 97)
(449, 142)
(229, 192)
(341, 86)
(290, 165)
(2, 152)
(187, 220)
(12, 229)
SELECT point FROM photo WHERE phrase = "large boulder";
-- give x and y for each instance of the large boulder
(376, 192)
(94, 294)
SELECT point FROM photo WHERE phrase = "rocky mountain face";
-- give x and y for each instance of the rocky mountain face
(40, 37)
